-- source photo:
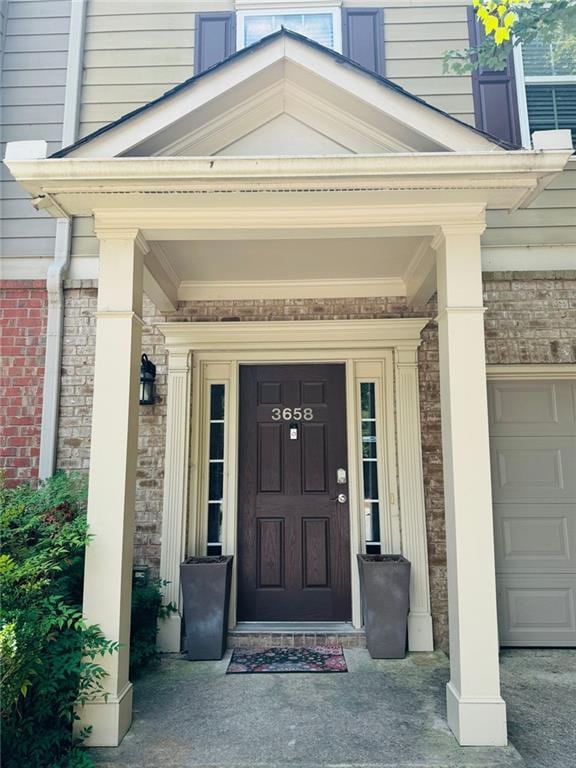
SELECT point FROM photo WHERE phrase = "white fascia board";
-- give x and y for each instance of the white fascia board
(83, 268)
(24, 267)
(519, 170)
(527, 258)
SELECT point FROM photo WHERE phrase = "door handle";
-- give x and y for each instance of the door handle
(341, 498)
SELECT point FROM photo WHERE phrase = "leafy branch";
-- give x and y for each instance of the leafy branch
(548, 21)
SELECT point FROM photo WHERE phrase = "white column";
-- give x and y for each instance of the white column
(108, 570)
(174, 519)
(476, 711)
(411, 488)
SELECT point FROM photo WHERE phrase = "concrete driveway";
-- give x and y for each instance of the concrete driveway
(381, 714)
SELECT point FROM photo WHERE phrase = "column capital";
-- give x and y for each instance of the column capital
(457, 229)
(104, 231)
(179, 360)
(407, 356)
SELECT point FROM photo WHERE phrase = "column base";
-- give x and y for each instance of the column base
(170, 634)
(420, 637)
(476, 722)
(109, 720)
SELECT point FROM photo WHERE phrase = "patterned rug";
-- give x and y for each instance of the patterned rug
(317, 658)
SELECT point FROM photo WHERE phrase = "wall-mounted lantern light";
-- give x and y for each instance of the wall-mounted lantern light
(147, 380)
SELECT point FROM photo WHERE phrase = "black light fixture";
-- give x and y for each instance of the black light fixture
(147, 379)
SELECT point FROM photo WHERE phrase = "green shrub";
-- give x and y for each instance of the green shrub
(147, 608)
(47, 651)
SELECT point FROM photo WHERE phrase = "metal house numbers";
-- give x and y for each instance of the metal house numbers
(292, 414)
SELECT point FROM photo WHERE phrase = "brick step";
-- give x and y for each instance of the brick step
(275, 638)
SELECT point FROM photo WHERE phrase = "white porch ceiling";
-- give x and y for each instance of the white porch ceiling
(294, 268)
(212, 260)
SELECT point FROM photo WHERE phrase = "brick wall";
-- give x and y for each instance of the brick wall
(530, 318)
(76, 408)
(23, 308)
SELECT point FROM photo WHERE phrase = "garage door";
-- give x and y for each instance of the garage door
(533, 448)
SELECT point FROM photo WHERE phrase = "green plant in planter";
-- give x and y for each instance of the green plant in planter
(147, 609)
(48, 653)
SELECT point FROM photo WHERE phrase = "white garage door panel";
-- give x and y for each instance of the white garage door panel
(532, 408)
(537, 610)
(535, 468)
(533, 450)
(535, 537)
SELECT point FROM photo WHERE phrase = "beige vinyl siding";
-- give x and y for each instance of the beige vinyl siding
(416, 38)
(33, 84)
(550, 219)
(134, 51)
(84, 242)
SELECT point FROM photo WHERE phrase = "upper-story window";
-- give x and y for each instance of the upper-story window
(320, 24)
(550, 80)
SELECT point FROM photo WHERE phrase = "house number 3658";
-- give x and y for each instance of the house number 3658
(292, 414)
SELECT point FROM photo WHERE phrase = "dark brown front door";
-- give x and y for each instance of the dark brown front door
(293, 533)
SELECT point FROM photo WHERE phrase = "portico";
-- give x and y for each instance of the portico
(410, 219)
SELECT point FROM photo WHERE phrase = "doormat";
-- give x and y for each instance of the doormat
(317, 658)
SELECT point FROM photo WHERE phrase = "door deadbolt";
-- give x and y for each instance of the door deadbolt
(341, 476)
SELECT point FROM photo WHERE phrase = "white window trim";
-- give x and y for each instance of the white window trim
(550, 79)
(522, 80)
(374, 372)
(214, 375)
(521, 97)
(335, 11)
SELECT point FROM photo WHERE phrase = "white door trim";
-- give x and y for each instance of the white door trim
(218, 349)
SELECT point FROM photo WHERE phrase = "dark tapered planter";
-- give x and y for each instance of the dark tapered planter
(206, 591)
(385, 586)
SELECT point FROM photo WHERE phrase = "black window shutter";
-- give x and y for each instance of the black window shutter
(494, 92)
(215, 39)
(363, 37)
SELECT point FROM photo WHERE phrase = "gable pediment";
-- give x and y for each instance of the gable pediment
(283, 96)
(283, 119)
(284, 135)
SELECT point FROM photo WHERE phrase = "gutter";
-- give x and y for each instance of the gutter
(62, 253)
(128, 174)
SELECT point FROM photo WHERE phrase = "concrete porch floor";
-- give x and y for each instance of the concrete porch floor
(382, 714)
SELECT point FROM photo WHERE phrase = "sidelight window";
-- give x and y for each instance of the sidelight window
(216, 468)
(371, 487)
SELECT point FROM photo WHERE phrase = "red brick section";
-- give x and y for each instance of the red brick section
(23, 310)
(530, 318)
